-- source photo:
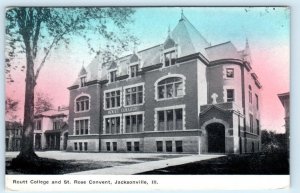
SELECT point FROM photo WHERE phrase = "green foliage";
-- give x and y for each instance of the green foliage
(273, 142)
(11, 106)
(35, 31)
(42, 103)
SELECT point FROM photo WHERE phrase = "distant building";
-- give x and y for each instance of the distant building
(13, 136)
(285, 101)
(183, 95)
(51, 129)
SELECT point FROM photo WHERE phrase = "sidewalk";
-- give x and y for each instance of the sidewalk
(146, 166)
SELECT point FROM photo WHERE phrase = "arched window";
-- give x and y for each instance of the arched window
(82, 103)
(171, 87)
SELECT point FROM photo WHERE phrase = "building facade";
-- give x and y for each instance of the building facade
(51, 129)
(285, 101)
(183, 96)
(13, 136)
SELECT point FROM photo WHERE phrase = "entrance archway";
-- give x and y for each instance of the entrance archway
(215, 138)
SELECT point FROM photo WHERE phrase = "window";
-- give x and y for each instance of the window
(112, 125)
(57, 124)
(170, 58)
(250, 94)
(134, 70)
(251, 123)
(113, 99)
(82, 127)
(136, 146)
(75, 146)
(113, 75)
(115, 146)
(134, 123)
(134, 95)
(170, 88)
(257, 102)
(229, 72)
(257, 127)
(80, 146)
(178, 145)
(83, 81)
(128, 146)
(159, 146)
(108, 146)
(170, 119)
(168, 146)
(85, 146)
(38, 124)
(82, 103)
(230, 95)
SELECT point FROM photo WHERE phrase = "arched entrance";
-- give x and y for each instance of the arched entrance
(215, 138)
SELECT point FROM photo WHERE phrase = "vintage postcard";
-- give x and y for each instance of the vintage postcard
(147, 98)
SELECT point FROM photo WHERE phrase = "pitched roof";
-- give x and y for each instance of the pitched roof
(189, 38)
(224, 50)
(82, 71)
(53, 113)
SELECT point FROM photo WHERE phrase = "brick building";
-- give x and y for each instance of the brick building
(183, 95)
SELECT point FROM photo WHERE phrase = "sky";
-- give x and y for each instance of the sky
(267, 31)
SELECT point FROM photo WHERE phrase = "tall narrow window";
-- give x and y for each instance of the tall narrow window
(257, 127)
(159, 146)
(230, 95)
(178, 145)
(113, 75)
(107, 146)
(128, 146)
(75, 146)
(257, 102)
(38, 124)
(251, 123)
(250, 94)
(168, 146)
(83, 81)
(134, 70)
(115, 147)
(85, 146)
(136, 146)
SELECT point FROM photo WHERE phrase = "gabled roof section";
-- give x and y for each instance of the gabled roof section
(189, 38)
(82, 72)
(224, 50)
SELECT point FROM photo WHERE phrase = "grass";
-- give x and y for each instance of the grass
(47, 166)
(246, 164)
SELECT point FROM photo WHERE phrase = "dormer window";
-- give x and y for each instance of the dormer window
(113, 75)
(83, 81)
(170, 58)
(134, 70)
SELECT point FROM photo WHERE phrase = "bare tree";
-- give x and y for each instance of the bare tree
(42, 103)
(33, 33)
(11, 107)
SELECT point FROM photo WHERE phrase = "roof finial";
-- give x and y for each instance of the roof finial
(134, 47)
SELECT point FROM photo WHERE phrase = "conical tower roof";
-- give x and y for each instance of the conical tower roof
(189, 38)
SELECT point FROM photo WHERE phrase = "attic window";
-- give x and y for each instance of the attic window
(170, 58)
(83, 81)
(229, 72)
(133, 70)
(113, 75)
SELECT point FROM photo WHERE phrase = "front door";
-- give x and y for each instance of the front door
(215, 138)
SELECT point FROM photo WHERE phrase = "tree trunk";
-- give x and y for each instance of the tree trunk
(27, 149)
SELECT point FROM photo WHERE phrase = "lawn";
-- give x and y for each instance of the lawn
(245, 164)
